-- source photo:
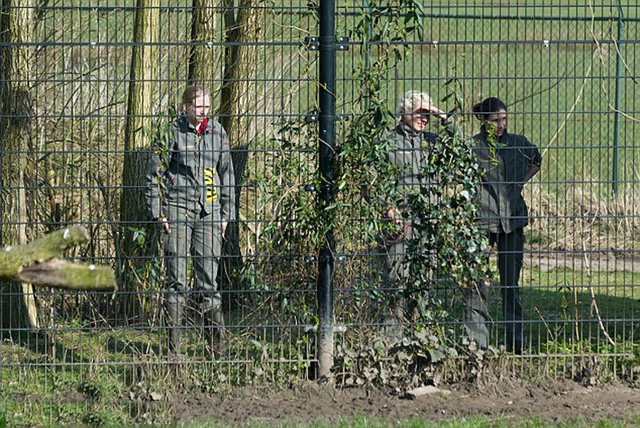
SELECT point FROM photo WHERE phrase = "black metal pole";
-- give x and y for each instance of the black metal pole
(326, 100)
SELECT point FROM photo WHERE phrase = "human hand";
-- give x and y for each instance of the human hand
(394, 214)
(436, 112)
(164, 223)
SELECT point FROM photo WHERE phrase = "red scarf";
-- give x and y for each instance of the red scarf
(203, 126)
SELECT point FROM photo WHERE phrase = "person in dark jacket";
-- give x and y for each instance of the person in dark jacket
(509, 161)
(409, 154)
(190, 194)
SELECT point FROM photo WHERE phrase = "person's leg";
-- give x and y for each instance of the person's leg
(476, 308)
(176, 250)
(393, 305)
(395, 273)
(476, 314)
(206, 250)
(510, 257)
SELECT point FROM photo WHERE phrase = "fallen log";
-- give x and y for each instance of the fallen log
(39, 263)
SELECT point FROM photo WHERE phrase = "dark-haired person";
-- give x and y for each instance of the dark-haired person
(509, 161)
(190, 194)
(411, 141)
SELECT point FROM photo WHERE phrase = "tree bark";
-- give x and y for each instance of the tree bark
(244, 26)
(16, 28)
(133, 212)
(204, 55)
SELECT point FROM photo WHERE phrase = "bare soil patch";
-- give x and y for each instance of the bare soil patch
(555, 401)
(612, 260)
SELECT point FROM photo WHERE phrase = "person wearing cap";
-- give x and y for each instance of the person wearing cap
(509, 161)
(190, 195)
(410, 151)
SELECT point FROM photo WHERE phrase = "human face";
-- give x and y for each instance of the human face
(418, 118)
(498, 121)
(197, 110)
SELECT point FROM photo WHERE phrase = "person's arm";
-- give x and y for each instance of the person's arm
(531, 171)
(156, 169)
(437, 113)
(387, 196)
(447, 122)
(535, 162)
(227, 183)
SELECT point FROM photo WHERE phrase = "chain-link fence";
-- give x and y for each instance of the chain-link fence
(89, 95)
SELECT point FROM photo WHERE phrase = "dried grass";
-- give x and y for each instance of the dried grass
(579, 217)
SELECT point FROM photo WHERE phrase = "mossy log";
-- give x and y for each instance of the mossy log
(39, 263)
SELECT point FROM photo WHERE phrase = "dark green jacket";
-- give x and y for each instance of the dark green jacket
(192, 171)
(503, 209)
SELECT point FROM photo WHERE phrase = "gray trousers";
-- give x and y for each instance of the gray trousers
(199, 237)
(395, 272)
(403, 302)
(510, 248)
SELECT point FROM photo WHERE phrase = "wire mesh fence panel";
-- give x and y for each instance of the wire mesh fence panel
(94, 94)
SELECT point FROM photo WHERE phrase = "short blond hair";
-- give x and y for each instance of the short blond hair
(412, 99)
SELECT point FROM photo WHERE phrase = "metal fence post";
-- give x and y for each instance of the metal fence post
(326, 100)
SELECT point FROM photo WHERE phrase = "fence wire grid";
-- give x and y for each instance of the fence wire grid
(88, 87)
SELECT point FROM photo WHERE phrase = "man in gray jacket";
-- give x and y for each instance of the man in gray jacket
(190, 194)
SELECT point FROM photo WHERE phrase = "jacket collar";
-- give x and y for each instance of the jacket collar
(485, 134)
(205, 125)
(406, 130)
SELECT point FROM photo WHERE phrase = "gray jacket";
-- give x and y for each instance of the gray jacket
(411, 153)
(192, 171)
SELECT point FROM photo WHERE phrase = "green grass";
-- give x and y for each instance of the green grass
(561, 304)
(562, 318)
(102, 377)
(471, 422)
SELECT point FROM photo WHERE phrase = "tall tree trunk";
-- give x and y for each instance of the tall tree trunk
(133, 213)
(244, 27)
(204, 55)
(16, 26)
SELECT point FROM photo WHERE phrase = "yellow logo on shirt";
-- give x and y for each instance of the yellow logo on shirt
(210, 183)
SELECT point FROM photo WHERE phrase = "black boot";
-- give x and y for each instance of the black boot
(174, 323)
